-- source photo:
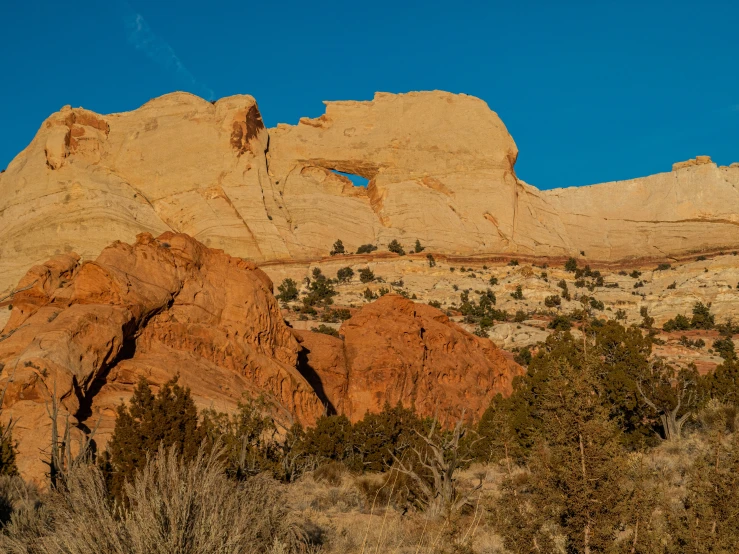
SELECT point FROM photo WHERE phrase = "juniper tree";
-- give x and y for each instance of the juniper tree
(168, 419)
(574, 486)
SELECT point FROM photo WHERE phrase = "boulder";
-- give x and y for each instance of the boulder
(86, 333)
(400, 351)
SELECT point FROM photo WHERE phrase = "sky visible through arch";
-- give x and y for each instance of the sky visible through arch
(590, 91)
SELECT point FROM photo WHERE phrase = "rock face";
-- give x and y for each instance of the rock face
(87, 333)
(441, 169)
(398, 351)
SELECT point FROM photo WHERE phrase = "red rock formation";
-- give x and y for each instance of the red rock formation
(86, 333)
(162, 306)
(396, 350)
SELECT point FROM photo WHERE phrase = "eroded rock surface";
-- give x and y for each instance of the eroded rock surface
(441, 169)
(86, 333)
(398, 351)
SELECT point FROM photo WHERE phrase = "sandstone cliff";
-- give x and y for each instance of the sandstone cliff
(441, 169)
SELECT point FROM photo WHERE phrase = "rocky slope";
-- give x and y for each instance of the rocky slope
(85, 333)
(441, 169)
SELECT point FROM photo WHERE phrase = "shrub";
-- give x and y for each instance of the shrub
(334, 316)
(345, 274)
(168, 419)
(647, 320)
(571, 265)
(620, 314)
(435, 304)
(663, 267)
(369, 295)
(7, 450)
(725, 348)
(396, 248)
(672, 286)
(518, 293)
(552, 301)
(338, 248)
(523, 356)
(560, 323)
(366, 275)
(635, 274)
(245, 437)
(366, 249)
(418, 248)
(171, 505)
(481, 332)
(288, 291)
(596, 304)
(678, 323)
(431, 260)
(320, 290)
(520, 316)
(326, 330)
(493, 281)
(513, 263)
(702, 317)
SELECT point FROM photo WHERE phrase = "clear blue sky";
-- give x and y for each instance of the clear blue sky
(590, 91)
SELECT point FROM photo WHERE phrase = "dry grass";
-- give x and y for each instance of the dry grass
(175, 508)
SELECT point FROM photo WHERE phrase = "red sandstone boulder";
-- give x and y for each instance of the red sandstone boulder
(87, 333)
(397, 350)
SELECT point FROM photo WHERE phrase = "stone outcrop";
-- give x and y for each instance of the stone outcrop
(440, 165)
(398, 351)
(698, 160)
(86, 333)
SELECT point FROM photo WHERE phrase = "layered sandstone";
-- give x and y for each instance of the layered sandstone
(441, 169)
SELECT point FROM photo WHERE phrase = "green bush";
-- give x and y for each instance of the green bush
(288, 291)
(326, 330)
(560, 323)
(396, 248)
(571, 265)
(344, 274)
(702, 317)
(418, 248)
(338, 248)
(366, 275)
(167, 419)
(366, 249)
(678, 323)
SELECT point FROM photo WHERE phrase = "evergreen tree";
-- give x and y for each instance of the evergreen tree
(707, 519)
(7, 451)
(168, 418)
(395, 247)
(575, 471)
(338, 248)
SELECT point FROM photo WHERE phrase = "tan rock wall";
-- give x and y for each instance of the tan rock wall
(441, 168)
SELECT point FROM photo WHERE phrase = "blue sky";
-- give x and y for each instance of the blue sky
(590, 91)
